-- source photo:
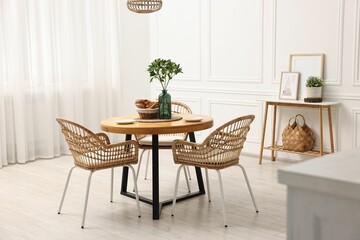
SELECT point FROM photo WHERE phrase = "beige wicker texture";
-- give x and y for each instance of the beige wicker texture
(94, 151)
(221, 149)
(296, 136)
(179, 107)
(146, 140)
(144, 6)
(176, 107)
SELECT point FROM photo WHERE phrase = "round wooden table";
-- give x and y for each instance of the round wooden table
(155, 127)
(176, 126)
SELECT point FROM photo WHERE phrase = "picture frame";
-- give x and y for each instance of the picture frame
(307, 64)
(289, 84)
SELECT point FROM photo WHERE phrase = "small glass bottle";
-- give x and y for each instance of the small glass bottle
(164, 105)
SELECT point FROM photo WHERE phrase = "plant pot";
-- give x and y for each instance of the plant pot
(313, 94)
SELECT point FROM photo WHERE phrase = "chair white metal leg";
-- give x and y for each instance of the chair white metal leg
(136, 190)
(86, 199)
(138, 168)
(188, 170)
(176, 190)
(207, 184)
(147, 167)
(147, 164)
(65, 189)
(222, 196)
(249, 187)
(187, 180)
(139, 164)
(112, 185)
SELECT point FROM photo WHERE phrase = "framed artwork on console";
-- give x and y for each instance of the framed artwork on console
(308, 64)
(289, 83)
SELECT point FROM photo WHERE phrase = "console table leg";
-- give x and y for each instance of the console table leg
(330, 130)
(273, 135)
(321, 131)
(263, 134)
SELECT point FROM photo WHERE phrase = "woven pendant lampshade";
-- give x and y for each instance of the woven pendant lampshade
(144, 6)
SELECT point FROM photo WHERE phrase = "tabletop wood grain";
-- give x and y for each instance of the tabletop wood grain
(180, 126)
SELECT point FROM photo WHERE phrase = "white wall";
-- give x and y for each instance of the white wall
(233, 52)
(135, 58)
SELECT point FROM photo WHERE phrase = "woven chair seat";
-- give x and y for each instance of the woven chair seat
(164, 140)
(106, 159)
(204, 156)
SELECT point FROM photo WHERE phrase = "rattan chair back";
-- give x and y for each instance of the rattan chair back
(94, 151)
(177, 108)
(219, 150)
(180, 108)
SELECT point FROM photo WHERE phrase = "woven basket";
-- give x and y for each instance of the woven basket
(148, 113)
(297, 137)
(144, 6)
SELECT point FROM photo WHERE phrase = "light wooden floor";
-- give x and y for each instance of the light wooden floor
(30, 195)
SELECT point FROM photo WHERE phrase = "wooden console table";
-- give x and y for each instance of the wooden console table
(287, 103)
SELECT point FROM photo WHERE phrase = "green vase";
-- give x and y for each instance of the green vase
(164, 105)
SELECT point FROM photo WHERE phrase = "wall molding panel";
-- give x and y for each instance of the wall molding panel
(250, 92)
(356, 73)
(188, 79)
(273, 49)
(339, 46)
(195, 101)
(212, 77)
(337, 97)
(158, 42)
(356, 126)
(257, 106)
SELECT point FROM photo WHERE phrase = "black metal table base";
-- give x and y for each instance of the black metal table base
(165, 202)
(157, 205)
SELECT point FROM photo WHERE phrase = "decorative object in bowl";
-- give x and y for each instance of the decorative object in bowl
(148, 113)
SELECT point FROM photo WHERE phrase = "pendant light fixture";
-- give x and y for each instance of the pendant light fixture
(144, 6)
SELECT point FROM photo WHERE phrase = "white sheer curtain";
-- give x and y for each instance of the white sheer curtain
(57, 58)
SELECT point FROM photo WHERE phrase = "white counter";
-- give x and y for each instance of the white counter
(324, 197)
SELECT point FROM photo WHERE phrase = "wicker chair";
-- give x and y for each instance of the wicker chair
(165, 140)
(221, 149)
(94, 152)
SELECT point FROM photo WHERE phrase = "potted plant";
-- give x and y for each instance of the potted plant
(164, 70)
(314, 89)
